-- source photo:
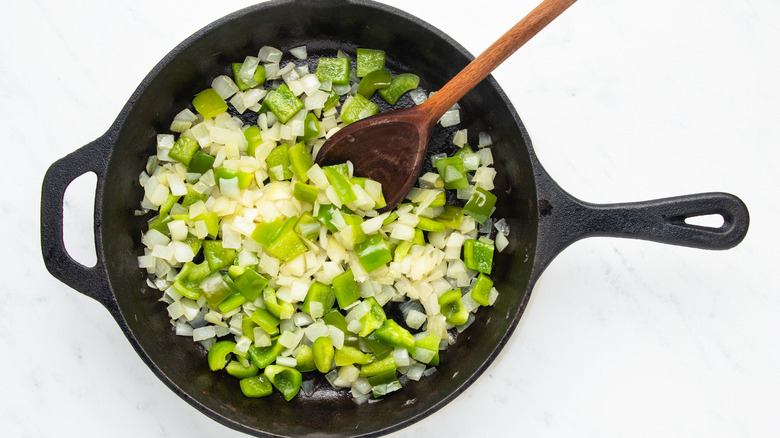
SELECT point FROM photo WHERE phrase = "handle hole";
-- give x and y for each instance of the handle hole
(706, 220)
(78, 219)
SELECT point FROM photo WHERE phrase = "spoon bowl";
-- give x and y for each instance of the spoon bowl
(390, 147)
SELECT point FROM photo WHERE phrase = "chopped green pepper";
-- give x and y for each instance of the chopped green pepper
(373, 81)
(307, 226)
(355, 221)
(452, 307)
(323, 352)
(214, 289)
(350, 355)
(478, 255)
(266, 321)
(361, 181)
(451, 217)
(358, 107)
(241, 371)
(320, 293)
(233, 301)
(218, 354)
(200, 163)
(304, 359)
(300, 161)
(306, 193)
(192, 197)
(278, 162)
(283, 103)
(373, 319)
(379, 367)
(481, 289)
(325, 216)
(345, 288)
(480, 205)
(244, 178)
(256, 386)
(184, 149)
(250, 284)
(264, 356)
(452, 173)
(286, 244)
(426, 224)
(285, 379)
(209, 104)
(334, 69)
(244, 84)
(373, 253)
(189, 277)
(278, 308)
(266, 231)
(369, 60)
(395, 335)
(341, 183)
(253, 139)
(429, 343)
(336, 319)
(311, 128)
(218, 256)
(398, 86)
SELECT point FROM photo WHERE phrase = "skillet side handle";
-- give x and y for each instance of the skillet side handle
(91, 281)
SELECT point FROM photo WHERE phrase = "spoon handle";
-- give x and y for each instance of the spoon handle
(498, 52)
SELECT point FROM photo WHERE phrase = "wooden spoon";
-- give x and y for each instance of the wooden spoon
(390, 147)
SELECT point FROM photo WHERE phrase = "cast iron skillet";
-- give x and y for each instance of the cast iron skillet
(543, 218)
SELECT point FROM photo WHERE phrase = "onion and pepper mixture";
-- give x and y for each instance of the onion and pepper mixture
(282, 269)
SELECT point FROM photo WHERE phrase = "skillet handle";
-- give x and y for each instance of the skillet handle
(91, 281)
(564, 219)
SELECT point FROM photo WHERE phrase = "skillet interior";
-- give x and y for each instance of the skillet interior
(323, 26)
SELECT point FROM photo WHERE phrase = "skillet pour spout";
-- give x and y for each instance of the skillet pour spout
(543, 218)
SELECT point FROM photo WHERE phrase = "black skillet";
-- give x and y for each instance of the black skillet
(544, 219)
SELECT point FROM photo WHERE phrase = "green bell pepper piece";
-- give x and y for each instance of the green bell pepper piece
(331, 101)
(393, 334)
(452, 173)
(253, 139)
(194, 243)
(245, 84)
(278, 308)
(373, 319)
(166, 206)
(248, 327)
(218, 354)
(478, 255)
(480, 205)
(311, 128)
(300, 161)
(358, 107)
(373, 81)
(266, 231)
(160, 223)
(355, 221)
(369, 60)
(361, 181)
(192, 197)
(379, 367)
(279, 156)
(306, 193)
(285, 379)
(378, 348)
(244, 178)
(266, 321)
(264, 356)
(334, 69)
(307, 226)
(241, 371)
(304, 359)
(336, 319)
(321, 293)
(431, 225)
(250, 284)
(218, 256)
(350, 355)
(341, 183)
(283, 103)
(184, 149)
(325, 216)
(402, 250)
(452, 307)
(345, 288)
(430, 343)
(287, 245)
(200, 163)
(256, 386)
(233, 301)
(189, 277)
(217, 290)
(481, 289)
(209, 104)
(323, 352)
(373, 253)
(398, 86)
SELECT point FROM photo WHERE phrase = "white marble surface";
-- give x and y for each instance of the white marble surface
(624, 101)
